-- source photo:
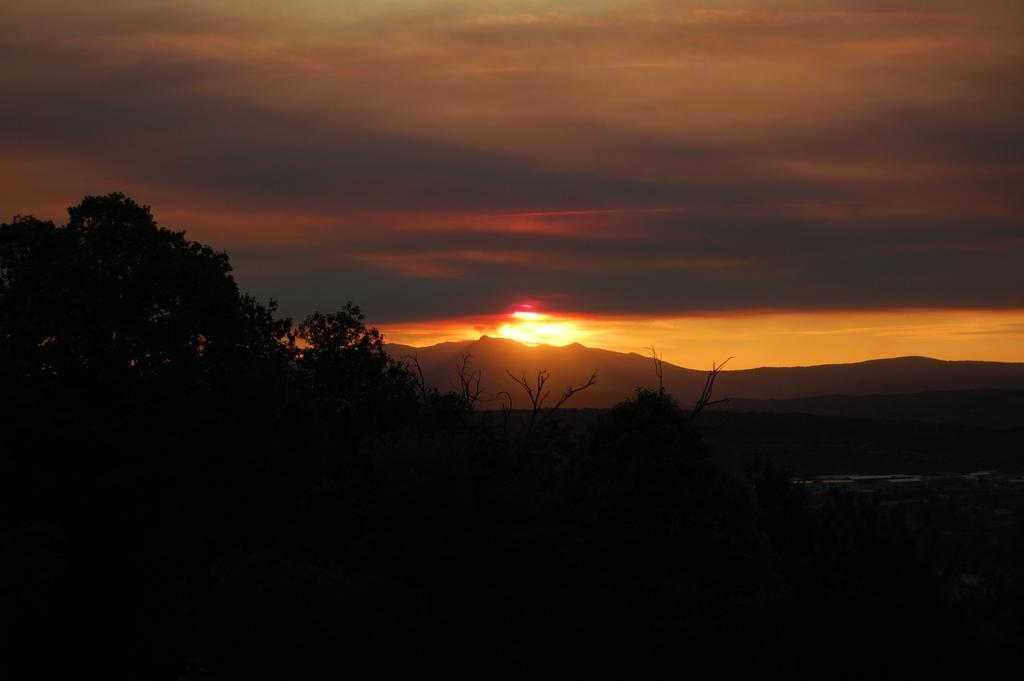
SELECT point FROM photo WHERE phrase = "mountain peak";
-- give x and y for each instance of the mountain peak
(619, 374)
(512, 342)
(498, 339)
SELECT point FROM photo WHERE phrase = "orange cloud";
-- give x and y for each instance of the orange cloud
(431, 159)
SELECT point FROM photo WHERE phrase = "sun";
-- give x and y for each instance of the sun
(529, 327)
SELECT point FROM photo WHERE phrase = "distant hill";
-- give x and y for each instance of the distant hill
(982, 408)
(619, 374)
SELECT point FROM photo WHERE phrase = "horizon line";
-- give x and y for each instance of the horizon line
(530, 346)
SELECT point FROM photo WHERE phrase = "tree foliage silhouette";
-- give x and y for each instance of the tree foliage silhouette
(112, 297)
(343, 364)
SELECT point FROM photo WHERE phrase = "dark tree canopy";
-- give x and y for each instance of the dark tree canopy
(112, 296)
(344, 365)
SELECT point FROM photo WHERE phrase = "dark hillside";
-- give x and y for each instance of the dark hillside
(619, 374)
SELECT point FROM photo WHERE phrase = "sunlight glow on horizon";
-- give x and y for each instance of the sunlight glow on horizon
(529, 327)
(755, 338)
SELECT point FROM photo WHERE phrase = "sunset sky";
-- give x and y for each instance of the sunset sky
(789, 182)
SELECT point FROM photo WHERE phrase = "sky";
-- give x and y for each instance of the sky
(789, 182)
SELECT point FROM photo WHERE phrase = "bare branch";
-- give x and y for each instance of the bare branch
(569, 392)
(412, 362)
(659, 369)
(469, 382)
(534, 393)
(538, 396)
(506, 409)
(709, 384)
(524, 384)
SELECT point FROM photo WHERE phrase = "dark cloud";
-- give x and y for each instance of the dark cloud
(434, 159)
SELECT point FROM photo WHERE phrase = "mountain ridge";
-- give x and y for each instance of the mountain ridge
(620, 374)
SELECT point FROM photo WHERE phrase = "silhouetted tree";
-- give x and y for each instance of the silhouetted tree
(675, 539)
(135, 376)
(342, 364)
(111, 296)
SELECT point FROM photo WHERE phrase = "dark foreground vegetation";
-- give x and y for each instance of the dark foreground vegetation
(193, 488)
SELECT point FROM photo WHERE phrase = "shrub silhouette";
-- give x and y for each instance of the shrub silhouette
(674, 536)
